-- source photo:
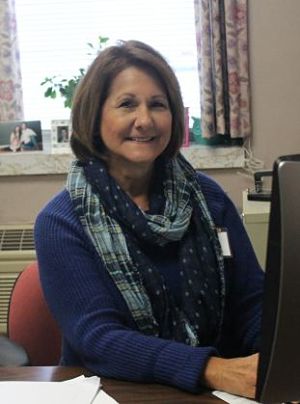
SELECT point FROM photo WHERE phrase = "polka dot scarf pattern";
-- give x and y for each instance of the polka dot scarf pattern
(118, 228)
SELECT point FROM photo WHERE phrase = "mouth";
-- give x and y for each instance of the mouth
(144, 139)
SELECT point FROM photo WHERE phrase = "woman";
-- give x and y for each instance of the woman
(15, 137)
(129, 256)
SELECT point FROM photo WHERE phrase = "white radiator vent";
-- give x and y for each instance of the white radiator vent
(16, 251)
(16, 239)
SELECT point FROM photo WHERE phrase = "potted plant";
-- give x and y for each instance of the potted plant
(66, 87)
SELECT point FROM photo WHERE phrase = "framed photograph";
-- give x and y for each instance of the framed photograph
(61, 132)
(20, 136)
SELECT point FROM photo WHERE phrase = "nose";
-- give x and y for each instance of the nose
(143, 117)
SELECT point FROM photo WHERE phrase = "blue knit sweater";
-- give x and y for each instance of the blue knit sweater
(98, 329)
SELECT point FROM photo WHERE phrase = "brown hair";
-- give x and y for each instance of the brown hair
(94, 87)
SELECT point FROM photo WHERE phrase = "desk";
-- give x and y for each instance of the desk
(123, 392)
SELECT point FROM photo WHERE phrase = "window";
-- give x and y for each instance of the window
(53, 37)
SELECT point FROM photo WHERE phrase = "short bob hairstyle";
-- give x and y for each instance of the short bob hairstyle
(94, 88)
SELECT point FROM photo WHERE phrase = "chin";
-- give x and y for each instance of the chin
(142, 158)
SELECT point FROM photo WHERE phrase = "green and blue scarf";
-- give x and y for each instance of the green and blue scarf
(118, 229)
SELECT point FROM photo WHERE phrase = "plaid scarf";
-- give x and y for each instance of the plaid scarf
(119, 229)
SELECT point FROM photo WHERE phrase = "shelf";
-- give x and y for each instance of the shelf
(39, 163)
(34, 163)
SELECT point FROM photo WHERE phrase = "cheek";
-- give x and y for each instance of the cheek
(165, 123)
(107, 127)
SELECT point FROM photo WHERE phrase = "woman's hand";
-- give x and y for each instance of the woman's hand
(236, 376)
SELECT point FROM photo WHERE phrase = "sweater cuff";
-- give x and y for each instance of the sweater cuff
(182, 366)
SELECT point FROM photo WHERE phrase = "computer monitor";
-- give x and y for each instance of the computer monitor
(279, 363)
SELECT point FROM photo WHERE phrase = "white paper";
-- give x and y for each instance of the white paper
(80, 390)
(104, 398)
(232, 399)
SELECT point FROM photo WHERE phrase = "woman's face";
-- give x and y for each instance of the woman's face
(136, 120)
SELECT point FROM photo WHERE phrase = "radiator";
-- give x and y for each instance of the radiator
(16, 251)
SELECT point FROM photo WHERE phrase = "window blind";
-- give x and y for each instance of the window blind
(53, 37)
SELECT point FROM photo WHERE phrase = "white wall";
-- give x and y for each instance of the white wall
(275, 77)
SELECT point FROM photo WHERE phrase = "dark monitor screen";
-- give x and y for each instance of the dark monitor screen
(279, 362)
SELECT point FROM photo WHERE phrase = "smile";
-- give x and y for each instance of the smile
(141, 139)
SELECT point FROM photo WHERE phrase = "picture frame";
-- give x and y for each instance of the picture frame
(60, 135)
(20, 136)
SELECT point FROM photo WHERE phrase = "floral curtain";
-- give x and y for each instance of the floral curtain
(222, 43)
(11, 103)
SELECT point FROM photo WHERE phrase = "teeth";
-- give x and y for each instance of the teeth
(139, 139)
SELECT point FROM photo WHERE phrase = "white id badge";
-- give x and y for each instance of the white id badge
(224, 242)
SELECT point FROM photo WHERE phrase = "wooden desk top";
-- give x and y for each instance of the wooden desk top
(123, 392)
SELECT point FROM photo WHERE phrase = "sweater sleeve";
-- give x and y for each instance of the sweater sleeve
(92, 315)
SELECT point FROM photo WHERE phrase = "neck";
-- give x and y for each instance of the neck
(135, 181)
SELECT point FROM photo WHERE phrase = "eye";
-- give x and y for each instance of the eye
(127, 103)
(161, 104)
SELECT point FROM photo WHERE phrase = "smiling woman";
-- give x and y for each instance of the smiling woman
(127, 92)
(132, 240)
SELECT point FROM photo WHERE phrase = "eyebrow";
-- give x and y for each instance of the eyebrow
(135, 96)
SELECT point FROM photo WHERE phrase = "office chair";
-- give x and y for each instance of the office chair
(30, 323)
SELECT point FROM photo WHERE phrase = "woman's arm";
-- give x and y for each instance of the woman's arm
(243, 301)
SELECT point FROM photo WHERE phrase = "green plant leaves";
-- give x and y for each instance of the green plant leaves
(66, 87)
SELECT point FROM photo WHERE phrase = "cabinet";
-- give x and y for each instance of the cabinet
(256, 221)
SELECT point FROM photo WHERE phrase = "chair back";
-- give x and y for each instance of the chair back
(30, 322)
